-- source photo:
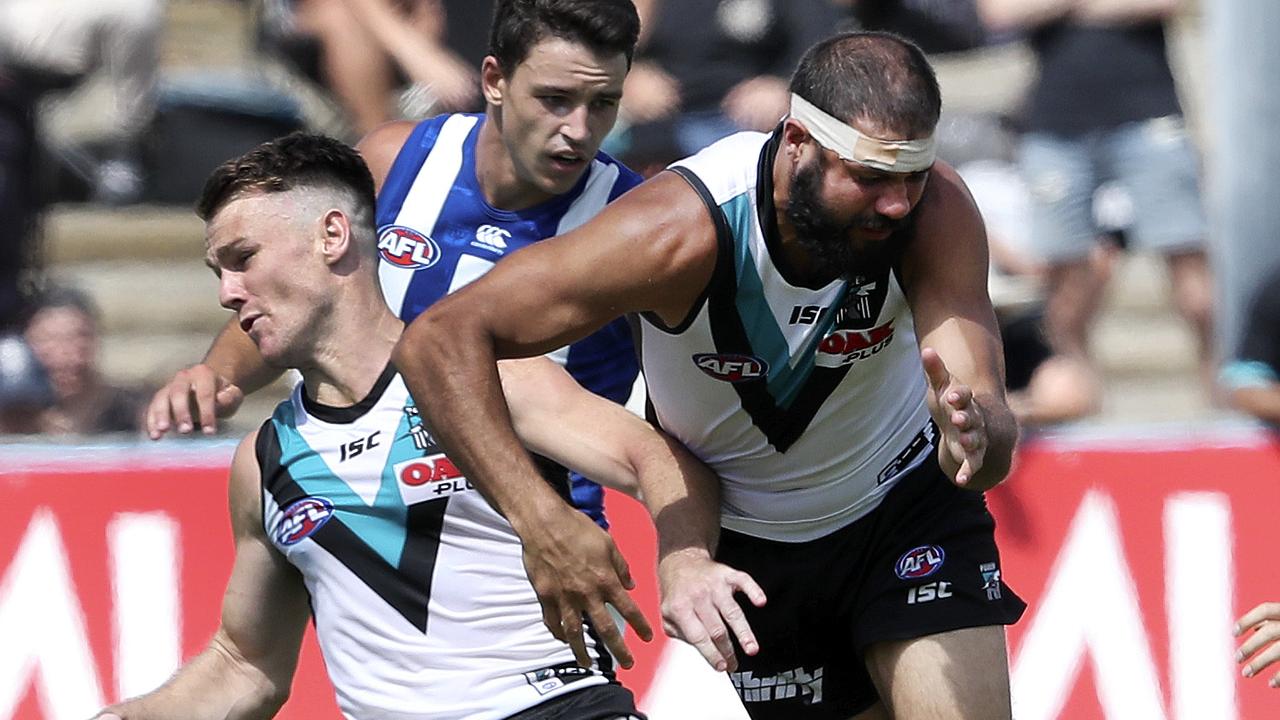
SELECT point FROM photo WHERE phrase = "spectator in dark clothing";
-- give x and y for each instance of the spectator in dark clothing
(63, 335)
(709, 68)
(1105, 108)
(17, 202)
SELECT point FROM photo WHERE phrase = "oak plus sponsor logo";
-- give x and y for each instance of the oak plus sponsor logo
(302, 519)
(783, 686)
(491, 237)
(845, 347)
(407, 248)
(920, 562)
(731, 367)
(429, 478)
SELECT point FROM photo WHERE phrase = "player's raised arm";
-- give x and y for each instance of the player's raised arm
(651, 250)
(945, 273)
(247, 669)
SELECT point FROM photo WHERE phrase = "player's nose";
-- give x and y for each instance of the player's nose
(231, 290)
(575, 125)
(894, 201)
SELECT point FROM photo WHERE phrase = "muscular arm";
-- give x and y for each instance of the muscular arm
(246, 670)
(653, 249)
(555, 416)
(945, 273)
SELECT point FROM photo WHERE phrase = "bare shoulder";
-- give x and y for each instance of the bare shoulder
(947, 198)
(671, 240)
(949, 232)
(244, 489)
(380, 147)
(667, 215)
(947, 216)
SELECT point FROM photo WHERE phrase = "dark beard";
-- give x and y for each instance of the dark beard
(826, 238)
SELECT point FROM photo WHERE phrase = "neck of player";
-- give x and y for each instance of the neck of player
(352, 351)
(496, 171)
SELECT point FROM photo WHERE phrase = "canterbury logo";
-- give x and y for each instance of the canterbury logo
(491, 236)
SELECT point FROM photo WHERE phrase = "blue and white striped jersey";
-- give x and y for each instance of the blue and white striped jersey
(436, 233)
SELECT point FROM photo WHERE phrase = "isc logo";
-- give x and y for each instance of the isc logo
(929, 592)
(806, 314)
(358, 446)
(920, 562)
(731, 367)
(407, 248)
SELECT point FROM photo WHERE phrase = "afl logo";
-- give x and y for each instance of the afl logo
(407, 248)
(303, 518)
(731, 367)
(920, 562)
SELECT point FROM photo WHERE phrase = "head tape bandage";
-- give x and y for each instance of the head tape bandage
(896, 156)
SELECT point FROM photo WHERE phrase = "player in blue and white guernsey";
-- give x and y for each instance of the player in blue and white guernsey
(344, 508)
(457, 193)
(815, 326)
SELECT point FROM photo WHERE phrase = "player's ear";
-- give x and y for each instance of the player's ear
(492, 81)
(794, 136)
(335, 235)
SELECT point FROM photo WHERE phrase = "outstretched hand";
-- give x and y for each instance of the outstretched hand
(699, 606)
(195, 398)
(576, 570)
(1264, 621)
(960, 420)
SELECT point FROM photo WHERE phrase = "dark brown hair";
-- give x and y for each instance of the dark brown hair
(295, 160)
(872, 76)
(605, 26)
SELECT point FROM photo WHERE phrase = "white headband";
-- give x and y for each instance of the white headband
(897, 156)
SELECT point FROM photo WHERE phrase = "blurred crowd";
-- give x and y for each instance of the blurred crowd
(1094, 162)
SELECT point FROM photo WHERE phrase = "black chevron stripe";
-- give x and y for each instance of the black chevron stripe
(407, 589)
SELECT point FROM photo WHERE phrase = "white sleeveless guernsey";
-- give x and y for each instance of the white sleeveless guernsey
(421, 602)
(808, 403)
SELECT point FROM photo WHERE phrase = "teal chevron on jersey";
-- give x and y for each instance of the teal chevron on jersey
(380, 524)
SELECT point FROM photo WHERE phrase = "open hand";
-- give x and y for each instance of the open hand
(699, 607)
(195, 398)
(576, 569)
(960, 420)
(1264, 621)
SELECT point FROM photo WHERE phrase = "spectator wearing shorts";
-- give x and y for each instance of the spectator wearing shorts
(1105, 108)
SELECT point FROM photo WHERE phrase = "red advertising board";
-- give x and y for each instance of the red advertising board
(1134, 556)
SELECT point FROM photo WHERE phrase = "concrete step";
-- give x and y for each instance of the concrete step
(141, 297)
(1156, 398)
(152, 358)
(1125, 344)
(76, 233)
